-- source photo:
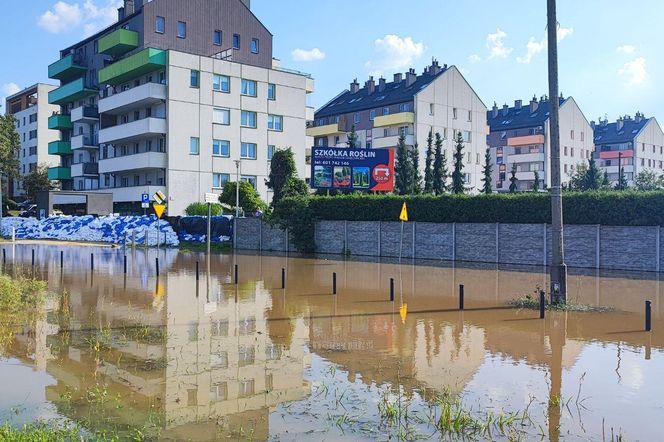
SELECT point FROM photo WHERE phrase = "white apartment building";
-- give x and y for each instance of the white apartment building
(440, 99)
(636, 143)
(520, 135)
(195, 123)
(34, 117)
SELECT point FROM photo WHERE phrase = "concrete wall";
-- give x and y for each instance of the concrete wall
(586, 246)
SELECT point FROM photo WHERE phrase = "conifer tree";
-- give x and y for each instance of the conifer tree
(428, 165)
(439, 167)
(353, 141)
(403, 169)
(513, 179)
(457, 174)
(415, 167)
(488, 168)
(536, 182)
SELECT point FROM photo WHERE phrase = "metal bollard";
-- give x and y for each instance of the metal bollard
(392, 289)
(542, 302)
(33, 257)
(334, 283)
(236, 281)
(648, 316)
(92, 261)
(125, 264)
(283, 278)
(461, 297)
(62, 259)
(157, 265)
(197, 271)
(4, 256)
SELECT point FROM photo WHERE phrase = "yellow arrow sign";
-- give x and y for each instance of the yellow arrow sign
(159, 209)
(404, 213)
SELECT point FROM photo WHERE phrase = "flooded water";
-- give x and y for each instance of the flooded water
(176, 358)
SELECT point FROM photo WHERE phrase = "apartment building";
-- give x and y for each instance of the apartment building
(520, 135)
(180, 99)
(636, 143)
(440, 99)
(34, 124)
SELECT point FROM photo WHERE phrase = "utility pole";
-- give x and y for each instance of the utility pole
(558, 267)
(620, 172)
(237, 201)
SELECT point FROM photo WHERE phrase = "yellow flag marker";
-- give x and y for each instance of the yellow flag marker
(159, 209)
(403, 312)
(404, 213)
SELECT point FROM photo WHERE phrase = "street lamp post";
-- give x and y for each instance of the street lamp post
(237, 201)
(558, 267)
(620, 181)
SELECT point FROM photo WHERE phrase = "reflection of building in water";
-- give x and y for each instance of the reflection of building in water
(201, 369)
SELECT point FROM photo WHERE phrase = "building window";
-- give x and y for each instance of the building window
(571, 151)
(467, 136)
(221, 148)
(571, 134)
(33, 119)
(254, 46)
(404, 107)
(221, 116)
(271, 149)
(248, 119)
(582, 136)
(248, 150)
(236, 41)
(249, 179)
(271, 91)
(216, 38)
(194, 147)
(470, 115)
(221, 83)
(160, 25)
(372, 114)
(219, 180)
(356, 118)
(431, 109)
(194, 79)
(275, 122)
(386, 111)
(182, 29)
(248, 88)
(454, 113)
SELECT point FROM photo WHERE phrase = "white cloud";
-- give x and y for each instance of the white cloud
(393, 53)
(626, 49)
(634, 72)
(535, 47)
(65, 17)
(496, 45)
(474, 58)
(308, 55)
(10, 89)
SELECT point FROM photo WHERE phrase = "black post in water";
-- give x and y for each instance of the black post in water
(92, 261)
(461, 296)
(125, 264)
(4, 256)
(62, 259)
(33, 257)
(196, 270)
(236, 282)
(541, 304)
(283, 278)
(648, 316)
(392, 289)
(334, 283)
(157, 265)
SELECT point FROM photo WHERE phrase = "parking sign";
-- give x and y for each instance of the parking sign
(145, 200)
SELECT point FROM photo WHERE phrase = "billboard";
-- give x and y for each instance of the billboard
(352, 169)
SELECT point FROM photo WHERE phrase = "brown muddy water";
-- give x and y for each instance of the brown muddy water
(175, 359)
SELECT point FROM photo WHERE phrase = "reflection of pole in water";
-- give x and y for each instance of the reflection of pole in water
(557, 337)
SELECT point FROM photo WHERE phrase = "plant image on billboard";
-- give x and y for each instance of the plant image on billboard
(352, 169)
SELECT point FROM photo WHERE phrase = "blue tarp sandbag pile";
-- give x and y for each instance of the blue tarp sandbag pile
(194, 228)
(110, 229)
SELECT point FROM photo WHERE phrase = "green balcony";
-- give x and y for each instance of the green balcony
(59, 148)
(76, 90)
(118, 42)
(65, 69)
(127, 69)
(60, 122)
(59, 173)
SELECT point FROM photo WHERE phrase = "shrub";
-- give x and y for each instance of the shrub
(250, 200)
(201, 209)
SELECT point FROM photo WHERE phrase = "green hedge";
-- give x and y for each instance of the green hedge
(609, 208)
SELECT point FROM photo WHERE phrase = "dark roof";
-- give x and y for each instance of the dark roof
(361, 100)
(609, 133)
(520, 118)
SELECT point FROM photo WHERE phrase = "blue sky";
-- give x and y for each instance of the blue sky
(609, 50)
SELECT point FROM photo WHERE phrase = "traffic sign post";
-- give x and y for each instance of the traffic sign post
(145, 202)
(210, 198)
(159, 207)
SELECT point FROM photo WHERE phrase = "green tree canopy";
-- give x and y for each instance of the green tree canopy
(439, 167)
(646, 180)
(353, 140)
(282, 168)
(294, 187)
(458, 186)
(536, 181)
(403, 169)
(10, 144)
(415, 165)
(250, 200)
(513, 179)
(201, 209)
(428, 164)
(37, 181)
